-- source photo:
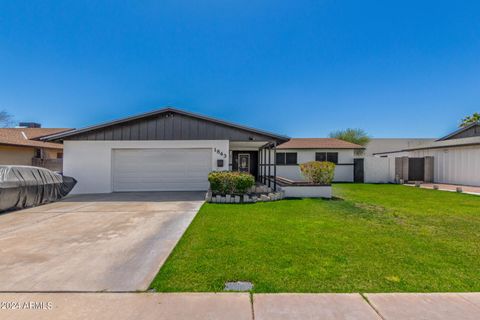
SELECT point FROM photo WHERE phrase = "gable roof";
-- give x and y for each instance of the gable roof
(459, 131)
(157, 113)
(318, 143)
(26, 137)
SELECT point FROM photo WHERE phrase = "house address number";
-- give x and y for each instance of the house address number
(221, 153)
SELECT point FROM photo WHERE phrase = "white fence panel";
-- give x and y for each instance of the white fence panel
(379, 170)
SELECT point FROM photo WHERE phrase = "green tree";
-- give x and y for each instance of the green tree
(357, 136)
(470, 119)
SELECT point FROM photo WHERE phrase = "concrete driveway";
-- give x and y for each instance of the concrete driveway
(107, 242)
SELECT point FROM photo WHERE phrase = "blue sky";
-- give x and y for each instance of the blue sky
(300, 68)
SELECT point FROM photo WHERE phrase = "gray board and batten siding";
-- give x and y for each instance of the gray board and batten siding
(472, 130)
(169, 124)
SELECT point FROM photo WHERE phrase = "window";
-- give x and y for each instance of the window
(38, 153)
(332, 157)
(280, 158)
(59, 155)
(291, 158)
(327, 156)
(320, 156)
(286, 158)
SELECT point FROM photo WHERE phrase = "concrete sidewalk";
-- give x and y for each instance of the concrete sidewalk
(458, 306)
(449, 187)
(239, 306)
(123, 306)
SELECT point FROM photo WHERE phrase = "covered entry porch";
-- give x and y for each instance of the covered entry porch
(256, 158)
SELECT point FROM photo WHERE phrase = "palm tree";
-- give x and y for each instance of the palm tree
(470, 119)
(357, 136)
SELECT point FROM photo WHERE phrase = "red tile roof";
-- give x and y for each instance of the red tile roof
(318, 143)
(24, 136)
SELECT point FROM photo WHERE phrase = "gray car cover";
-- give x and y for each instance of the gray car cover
(24, 186)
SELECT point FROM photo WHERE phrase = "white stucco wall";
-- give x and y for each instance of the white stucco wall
(343, 171)
(308, 191)
(379, 170)
(90, 162)
(459, 165)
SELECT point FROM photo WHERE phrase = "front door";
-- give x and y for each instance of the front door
(244, 162)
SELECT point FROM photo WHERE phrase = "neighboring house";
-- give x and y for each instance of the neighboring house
(171, 149)
(377, 145)
(19, 147)
(456, 157)
(300, 150)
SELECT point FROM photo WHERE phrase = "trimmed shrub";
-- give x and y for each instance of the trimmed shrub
(318, 172)
(230, 182)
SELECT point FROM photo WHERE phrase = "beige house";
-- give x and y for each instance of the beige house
(19, 147)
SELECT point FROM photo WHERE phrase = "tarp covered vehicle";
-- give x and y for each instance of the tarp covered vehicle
(24, 186)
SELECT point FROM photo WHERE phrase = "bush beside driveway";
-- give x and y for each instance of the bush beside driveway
(372, 238)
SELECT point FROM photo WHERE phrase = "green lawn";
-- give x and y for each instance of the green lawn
(374, 238)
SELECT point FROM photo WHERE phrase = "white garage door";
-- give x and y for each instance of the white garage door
(161, 169)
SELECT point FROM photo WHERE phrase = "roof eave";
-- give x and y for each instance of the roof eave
(446, 146)
(443, 146)
(42, 138)
(388, 152)
(316, 148)
(60, 146)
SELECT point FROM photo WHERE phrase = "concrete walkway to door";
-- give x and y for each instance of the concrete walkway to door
(102, 242)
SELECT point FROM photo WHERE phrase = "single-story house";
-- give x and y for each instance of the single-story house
(19, 146)
(455, 158)
(171, 150)
(300, 150)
